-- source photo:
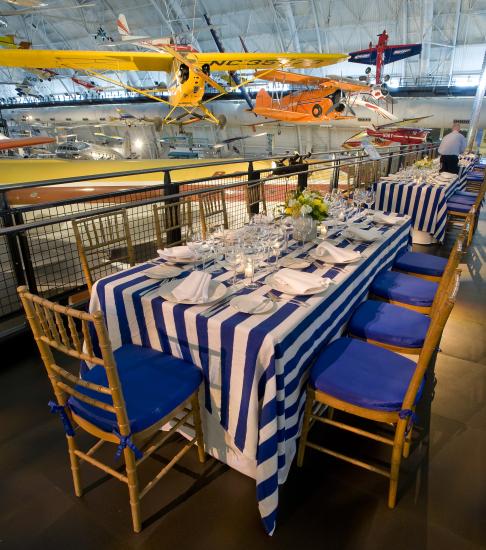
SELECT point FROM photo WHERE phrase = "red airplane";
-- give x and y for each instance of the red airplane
(380, 55)
(386, 135)
(89, 85)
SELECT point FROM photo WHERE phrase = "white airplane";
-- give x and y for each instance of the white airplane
(154, 44)
(82, 150)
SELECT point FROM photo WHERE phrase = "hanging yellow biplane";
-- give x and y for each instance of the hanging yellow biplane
(189, 70)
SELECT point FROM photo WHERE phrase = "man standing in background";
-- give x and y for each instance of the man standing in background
(451, 146)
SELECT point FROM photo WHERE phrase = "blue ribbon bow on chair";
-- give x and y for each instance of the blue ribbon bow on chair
(412, 418)
(61, 410)
(126, 441)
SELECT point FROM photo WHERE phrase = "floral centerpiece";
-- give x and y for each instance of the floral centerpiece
(307, 202)
(424, 163)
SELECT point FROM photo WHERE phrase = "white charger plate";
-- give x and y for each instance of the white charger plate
(172, 260)
(216, 292)
(276, 285)
(326, 258)
(293, 263)
(244, 304)
(162, 271)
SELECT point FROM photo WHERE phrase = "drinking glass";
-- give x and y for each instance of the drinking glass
(252, 255)
(277, 240)
(195, 242)
(369, 200)
(234, 256)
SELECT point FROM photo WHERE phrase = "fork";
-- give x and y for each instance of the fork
(294, 301)
(155, 286)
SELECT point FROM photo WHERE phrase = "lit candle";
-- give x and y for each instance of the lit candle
(248, 268)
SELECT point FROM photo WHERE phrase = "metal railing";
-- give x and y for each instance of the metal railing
(37, 243)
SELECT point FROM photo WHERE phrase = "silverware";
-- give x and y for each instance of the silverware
(220, 303)
(155, 286)
(294, 301)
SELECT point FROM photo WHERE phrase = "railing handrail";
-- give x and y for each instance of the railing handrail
(16, 229)
(74, 179)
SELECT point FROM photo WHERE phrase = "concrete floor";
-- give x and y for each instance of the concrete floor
(327, 504)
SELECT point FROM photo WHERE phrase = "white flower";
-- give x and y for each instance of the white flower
(292, 202)
(305, 209)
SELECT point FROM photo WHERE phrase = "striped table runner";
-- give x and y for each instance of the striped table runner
(259, 362)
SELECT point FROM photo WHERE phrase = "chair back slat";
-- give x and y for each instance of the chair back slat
(55, 328)
(96, 238)
(171, 217)
(255, 194)
(432, 339)
(449, 272)
(212, 211)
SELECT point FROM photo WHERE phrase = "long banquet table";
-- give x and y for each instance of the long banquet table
(426, 203)
(255, 366)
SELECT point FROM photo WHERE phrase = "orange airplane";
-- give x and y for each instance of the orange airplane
(324, 99)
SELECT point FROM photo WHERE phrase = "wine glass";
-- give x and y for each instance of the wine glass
(277, 240)
(369, 199)
(234, 256)
(252, 255)
(194, 241)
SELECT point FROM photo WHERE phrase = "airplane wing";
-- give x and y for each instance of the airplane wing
(403, 123)
(39, 9)
(96, 60)
(392, 53)
(228, 61)
(23, 142)
(345, 84)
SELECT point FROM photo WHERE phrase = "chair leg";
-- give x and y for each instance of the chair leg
(133, 489)
(407, 444)
(196, 413)
(330, 413)
(305, 428)
(395, 463)
(78, 490)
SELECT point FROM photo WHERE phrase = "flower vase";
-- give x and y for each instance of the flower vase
(310, 235)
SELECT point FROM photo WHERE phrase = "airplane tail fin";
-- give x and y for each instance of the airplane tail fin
(123, 28)
(263, 99)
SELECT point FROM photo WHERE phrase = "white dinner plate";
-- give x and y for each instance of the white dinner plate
(216, 292)
(163, 272)
(327, 259)
(276, 285)
(172, 260)
(250, 305)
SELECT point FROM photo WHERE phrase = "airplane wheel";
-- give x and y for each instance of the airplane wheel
(317, 111)
(368, 70)
(340, 107)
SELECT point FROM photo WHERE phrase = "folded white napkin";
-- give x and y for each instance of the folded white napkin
(195, 287)
(357, 234)
(299, 281)
(177, 252)
(334, 254)
(388, 219)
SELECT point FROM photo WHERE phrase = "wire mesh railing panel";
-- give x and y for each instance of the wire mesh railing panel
(9, 301)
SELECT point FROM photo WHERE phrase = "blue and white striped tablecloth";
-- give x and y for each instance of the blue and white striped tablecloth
(425, 203)
(259, 361)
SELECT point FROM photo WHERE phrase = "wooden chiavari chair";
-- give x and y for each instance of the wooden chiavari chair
(212, 211)
(375, 384)
(125, 398)
(402, 289)
(98, 238)
(171, 218)
(461, 214)
(254, 196)
(392, 326)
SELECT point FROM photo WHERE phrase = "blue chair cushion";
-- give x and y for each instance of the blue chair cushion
(389, 324)
(404, 288)
(423, 264)
(475, 177)
(458, 207)
(363, 375)
(153, 384)
(466, 194)
(461, 199)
